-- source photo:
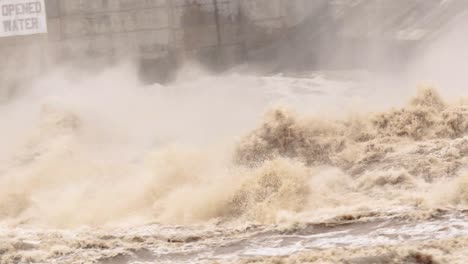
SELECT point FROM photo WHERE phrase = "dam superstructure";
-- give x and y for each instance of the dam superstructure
(161, 34)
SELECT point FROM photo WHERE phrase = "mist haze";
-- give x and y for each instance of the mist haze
(307, 132)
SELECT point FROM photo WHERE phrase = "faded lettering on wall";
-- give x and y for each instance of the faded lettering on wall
(22, 17)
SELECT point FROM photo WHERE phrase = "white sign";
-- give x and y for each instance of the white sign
(22, 17)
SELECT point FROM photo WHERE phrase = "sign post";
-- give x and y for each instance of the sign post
(22, 17)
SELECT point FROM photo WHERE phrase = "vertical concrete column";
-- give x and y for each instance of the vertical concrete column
(243, 31)
(216, 15)
(171, 23)
(59, 11)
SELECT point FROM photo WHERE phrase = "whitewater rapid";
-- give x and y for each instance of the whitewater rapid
(231, 169)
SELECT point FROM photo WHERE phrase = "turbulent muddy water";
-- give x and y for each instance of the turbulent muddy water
(105, 170)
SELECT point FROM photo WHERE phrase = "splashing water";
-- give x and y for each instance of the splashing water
(103, 169)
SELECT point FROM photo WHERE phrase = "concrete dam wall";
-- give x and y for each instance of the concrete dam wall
(161, 34)
(157, 33)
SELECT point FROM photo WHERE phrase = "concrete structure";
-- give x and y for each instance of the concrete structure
(160, 34)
